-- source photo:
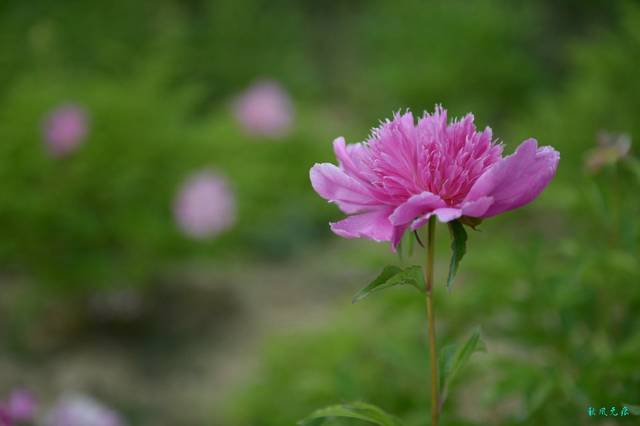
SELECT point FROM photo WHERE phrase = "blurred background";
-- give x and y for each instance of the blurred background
(165, 261)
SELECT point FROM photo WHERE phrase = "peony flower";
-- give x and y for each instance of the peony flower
(81, 410)
(407, 172)
(65, 129)
(21, 406)
(264, 109)
(205, 206)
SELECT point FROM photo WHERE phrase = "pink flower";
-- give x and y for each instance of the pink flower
(611, 149)
(264, 109)
(205, 206)
(407, 172)
(21, 405)
(81, 410)
(5, 418)
(65, 129)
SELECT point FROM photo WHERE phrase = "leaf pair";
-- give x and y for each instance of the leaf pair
(353, 410)
(392, 276)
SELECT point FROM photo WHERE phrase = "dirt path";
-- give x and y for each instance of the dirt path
(205, 338)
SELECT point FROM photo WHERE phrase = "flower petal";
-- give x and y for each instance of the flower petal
(334, 185)
(444, 215)
(477, 207)
(396, 236)
(517, 179)
(415, 207)
(343, 154)
(373, 225)
(447, 214)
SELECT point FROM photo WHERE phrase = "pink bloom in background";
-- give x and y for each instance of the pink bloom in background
(205, 205)
(407, 172)
(611, 148)
(21, 406)
(65, 128)
(81, 410)
(5, 418)
(264, 109)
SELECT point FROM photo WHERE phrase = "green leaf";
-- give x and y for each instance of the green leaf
(474, 344)
(392, 276)
(445, 359)
(353, 410)
(458, 248)
(451, 360)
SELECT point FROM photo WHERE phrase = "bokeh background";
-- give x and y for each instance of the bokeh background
(163, 256)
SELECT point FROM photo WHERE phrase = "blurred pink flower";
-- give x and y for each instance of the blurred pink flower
(611, 148)
(5, 418)
(82, 410)
(407, 172)
(21, 406)
(65, 128)
(264, 109)
(205, 205)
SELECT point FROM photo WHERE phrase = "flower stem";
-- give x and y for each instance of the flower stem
(428, 280)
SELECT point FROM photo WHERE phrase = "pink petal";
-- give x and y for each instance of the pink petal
(444, 215)
(447, 214)
(344, 157)
(374, 225)
(478, 207)
(396, 236)
(517, 179)
(415, 207)
(334, 185)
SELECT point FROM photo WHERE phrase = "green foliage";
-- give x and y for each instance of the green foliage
(101, 216)
(392, 276)
(461, 55)
(598, 96)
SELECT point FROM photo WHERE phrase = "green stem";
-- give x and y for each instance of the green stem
(433, 360)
